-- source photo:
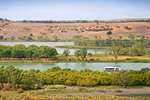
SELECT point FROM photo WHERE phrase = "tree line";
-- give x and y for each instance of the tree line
(11, 77)
(118, 42)
(32, 51)
(135, 50)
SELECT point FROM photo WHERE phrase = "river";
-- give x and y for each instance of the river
(77, 66)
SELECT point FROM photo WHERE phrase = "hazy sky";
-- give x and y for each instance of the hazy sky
(74, 9)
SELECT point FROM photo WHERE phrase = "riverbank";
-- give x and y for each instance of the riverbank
(95, 58)
(79, 47)
(63, 92)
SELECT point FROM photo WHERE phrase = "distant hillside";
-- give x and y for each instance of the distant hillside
(11, 30)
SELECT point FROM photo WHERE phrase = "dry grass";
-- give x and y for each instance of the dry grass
(61, 92)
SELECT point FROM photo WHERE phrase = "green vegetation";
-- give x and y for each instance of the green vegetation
(63, 92)
(115, 50)
(83, 53)
(131, 36)
(32, 51)
(66, 52)
(109, 33)
(55, 38)
(1, 37)
(104, 29)
(24, 38)
(118, 42)
(128, 28)
(79, 47)
(79, 37)
(34, 79)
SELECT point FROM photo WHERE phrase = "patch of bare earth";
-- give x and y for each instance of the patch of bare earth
(68, 30)
(118, 92)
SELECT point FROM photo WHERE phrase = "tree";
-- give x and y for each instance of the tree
(137, 50)
(31, 51)
(77, 37)
(120, 37)
(18, 53)
(5, 51)
(83, 53)
(2, 76)
(46, 52)
(95, 37)
(96, 21)
(109, 33)
(124, 51)
(115, 51)
(90, 54)
(123, 77)
(131, 36)
(19, 46)
(16, 77)
(9, 71)
(31, 34)
(77, 53)
(66, 52)
(46, 38)
(12, 38)
(29, 79)
(55, 37)
(128, 28)
(99, 37)
(109, 38)
(1, 37)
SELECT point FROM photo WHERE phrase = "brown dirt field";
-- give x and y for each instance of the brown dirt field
(101, 92)
(125, 92)
(71, 29)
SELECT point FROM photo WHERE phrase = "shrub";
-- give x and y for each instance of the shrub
(90, 54)
(118, 91)
(101, 90)
(20, 90)
(109, 33)
(128, 28)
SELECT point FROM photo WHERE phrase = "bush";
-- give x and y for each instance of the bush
(90, 54)
(128, 28)
(118, 91)
(109, 33)
(101, 90)
(20, 90)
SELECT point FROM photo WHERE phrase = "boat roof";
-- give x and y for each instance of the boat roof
(110, 67)
(117, 66)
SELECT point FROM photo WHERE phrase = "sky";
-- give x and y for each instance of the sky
(74, 9)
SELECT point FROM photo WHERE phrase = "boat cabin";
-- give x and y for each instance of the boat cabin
(114, 68)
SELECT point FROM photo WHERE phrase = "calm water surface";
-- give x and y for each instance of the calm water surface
(77, 66)
(52, 44)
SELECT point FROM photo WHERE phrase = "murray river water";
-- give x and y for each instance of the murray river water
(75, 66)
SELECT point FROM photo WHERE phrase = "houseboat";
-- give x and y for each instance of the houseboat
(113, 68)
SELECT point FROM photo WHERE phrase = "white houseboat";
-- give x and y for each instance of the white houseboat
(114, 68)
